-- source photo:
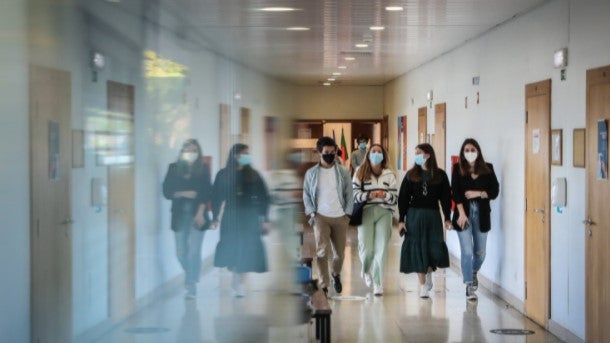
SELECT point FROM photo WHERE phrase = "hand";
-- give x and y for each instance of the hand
(185, 194)
(462, 221)
(214, 225)
(472, 194)
(381, 194)
(266, 227)
(199, 219)
(448, 225)
(402, 229)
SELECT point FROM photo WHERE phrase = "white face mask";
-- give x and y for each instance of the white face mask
(471, 156)
(189, 157)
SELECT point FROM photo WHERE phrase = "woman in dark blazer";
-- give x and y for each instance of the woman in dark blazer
(473, 185)
(244, 218)
(187, 184)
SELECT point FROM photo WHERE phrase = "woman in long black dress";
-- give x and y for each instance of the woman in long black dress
(188, 185)
(424, 248)
(244, 218)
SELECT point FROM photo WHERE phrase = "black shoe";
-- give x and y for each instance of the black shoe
(337, 283)
(470, 294)
(325, 290)
(475, 282)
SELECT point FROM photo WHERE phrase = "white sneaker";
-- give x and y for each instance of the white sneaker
(423, 291)
(378, 290)
(429, 281)
(191, 291)
(368, 280)
(238, 290)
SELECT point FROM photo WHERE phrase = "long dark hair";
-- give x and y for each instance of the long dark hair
(480, 167)
(365, 170)
(415, 173)
(232, 165)
(186, 170)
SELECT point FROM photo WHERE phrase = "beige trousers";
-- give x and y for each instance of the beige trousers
(330, 233)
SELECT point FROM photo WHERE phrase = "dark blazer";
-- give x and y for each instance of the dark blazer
(460, 184)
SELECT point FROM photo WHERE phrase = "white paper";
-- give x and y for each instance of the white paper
(536, 141)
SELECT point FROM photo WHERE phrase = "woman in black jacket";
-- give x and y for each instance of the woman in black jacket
(244, 217)
(187, 184)
(473, 185)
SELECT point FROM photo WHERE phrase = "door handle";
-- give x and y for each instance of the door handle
(67, 221)
(588, 221)
(539, 210)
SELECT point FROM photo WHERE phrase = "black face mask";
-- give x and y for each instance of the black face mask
(328, 158)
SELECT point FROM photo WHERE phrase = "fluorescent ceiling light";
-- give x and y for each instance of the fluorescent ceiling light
(326, 83)
(277, 9)
(297, 28)
(362, 45)
(342, 67)
(377, 28)
(331, 79)
(350, 58)
(394, 8)
(336, 74)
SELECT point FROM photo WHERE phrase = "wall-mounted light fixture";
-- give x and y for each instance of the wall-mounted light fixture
(560, 58)
(429, 97)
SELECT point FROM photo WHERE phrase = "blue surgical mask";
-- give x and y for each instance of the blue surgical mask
(376, 158)
(362, 146)
(244, 160)
(420, 160)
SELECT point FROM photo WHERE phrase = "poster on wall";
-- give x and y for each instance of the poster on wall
(536, 141)
(53, 150)
(602, 150)
(402, 143)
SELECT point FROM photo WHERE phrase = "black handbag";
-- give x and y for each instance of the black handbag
(356, 218)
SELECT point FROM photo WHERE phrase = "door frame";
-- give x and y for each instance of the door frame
(532, 90)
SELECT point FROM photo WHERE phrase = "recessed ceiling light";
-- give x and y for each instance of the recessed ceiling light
(277, 9)
(362, 45)
(326, 83)
(350, 58)
(377, 28)
(297, 28)
(394, 8)
(114, 1)
(342, 67)
(331, 79)
(336, 74)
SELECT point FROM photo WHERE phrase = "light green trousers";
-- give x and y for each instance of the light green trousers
(373, 237)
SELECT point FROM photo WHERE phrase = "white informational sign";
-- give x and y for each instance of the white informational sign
(536, 141)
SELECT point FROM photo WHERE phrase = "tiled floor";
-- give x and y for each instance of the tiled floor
(271, 313)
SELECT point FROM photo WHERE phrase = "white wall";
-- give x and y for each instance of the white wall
(14, 173)
(506, 59)
(342, 102)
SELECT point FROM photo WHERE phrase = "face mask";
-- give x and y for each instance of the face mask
(471, 156)
(376, 158)
(362, 146)
(420, 159)
(189, 157)
(328, 158)
(244, 160)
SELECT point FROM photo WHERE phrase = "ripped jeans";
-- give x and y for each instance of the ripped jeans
(473, 244)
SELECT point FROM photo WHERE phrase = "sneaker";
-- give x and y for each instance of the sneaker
(368, 280)
(378, 290)
(470, 294)
(238, 290)
(423, 291)
(429, 281)
(191, 291)
(337, 283)
(475, 282)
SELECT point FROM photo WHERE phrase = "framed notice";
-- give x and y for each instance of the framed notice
(402, 143)
(602, 150)
(579, 153)
(556, 147)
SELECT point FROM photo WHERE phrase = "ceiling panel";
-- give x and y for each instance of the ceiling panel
(423, 30)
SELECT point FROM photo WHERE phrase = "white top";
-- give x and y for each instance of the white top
(328, 198)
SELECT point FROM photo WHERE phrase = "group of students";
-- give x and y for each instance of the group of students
(239, 196)
(329, 194)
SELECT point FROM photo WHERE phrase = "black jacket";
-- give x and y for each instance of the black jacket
(486, 182)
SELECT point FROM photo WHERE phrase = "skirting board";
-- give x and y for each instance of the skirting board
(166, 289)
(553, 327)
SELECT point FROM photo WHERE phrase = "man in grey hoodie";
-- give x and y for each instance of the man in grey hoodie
(328, 200)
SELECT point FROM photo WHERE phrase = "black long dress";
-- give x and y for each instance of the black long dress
(246, 199)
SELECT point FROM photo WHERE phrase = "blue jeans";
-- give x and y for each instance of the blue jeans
(473, 244)
(188, 249)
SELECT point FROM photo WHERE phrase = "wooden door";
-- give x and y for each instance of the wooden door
(422, 125)
(50, 232)
(537, 201)
(385, 133)
(440, 135)
(598, 217)
(225, 133)
(121, 207)
(244, 124)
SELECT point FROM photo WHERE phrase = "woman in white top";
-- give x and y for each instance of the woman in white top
(376, 185)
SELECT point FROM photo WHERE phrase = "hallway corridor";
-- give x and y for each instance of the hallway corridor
(268, 313)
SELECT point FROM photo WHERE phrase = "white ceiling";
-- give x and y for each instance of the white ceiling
(425, 29)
